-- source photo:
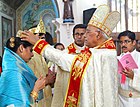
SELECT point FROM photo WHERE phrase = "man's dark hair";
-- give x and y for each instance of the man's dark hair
(79, 26)
(58, 44)
(129, 34)
(48, 38)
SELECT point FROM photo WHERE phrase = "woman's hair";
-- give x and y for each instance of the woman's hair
(14, 42)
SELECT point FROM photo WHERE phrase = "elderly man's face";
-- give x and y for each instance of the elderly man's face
(91, 36)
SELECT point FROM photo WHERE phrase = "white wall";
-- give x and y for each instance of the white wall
(78, 7)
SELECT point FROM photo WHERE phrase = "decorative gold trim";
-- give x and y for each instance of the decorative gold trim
(100, 26)
(12, 40)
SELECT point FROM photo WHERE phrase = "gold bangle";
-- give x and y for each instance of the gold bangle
(34, 94)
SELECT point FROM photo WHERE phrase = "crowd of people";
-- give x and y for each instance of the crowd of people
(84, 74)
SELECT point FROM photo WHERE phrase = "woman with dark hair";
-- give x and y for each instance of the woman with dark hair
(19, 85)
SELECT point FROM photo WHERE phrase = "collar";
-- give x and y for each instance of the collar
(108, 44)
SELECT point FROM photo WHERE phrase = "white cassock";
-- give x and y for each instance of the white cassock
(99, 86)
(132, 86)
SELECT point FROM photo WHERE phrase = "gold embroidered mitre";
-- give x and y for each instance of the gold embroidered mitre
(104, 19)
(40, 27)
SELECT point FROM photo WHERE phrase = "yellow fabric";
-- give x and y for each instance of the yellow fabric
(60, 88)
(40, 27)
(50, 64)
(39, 67)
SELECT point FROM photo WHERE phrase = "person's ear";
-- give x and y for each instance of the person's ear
(134, 42)
(99, 35)
(21, 48)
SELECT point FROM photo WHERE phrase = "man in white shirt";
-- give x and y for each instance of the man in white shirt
(129, 91)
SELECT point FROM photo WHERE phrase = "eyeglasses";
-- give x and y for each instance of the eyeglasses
(125, 42)
(79, 34)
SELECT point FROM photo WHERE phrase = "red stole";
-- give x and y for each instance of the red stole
(77, 72)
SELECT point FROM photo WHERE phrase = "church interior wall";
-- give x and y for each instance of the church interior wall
(7, 22)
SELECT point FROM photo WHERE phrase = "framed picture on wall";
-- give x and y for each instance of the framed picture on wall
(6, 30)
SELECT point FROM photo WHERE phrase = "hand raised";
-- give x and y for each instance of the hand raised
(50, 77)
(30, 37)
(40, 83)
